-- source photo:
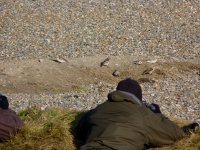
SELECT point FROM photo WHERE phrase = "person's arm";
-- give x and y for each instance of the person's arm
(153, 107)
(190, 128)
(161, 131)
(82, 126)
(18, 123)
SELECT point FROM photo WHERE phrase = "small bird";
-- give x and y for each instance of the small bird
(105, 62)
(148, 71)
(143, 80)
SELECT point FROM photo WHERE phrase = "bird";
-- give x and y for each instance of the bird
(148, 71)
(105, 62)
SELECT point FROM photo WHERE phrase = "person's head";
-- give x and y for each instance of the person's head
(3, 102)
(131, 86)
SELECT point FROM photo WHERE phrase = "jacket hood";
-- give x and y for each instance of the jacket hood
(120, 96)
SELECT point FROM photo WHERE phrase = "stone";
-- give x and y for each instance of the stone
(59, 60)
(116, 73)
(137, 62)
(152, 61)
(41, 60)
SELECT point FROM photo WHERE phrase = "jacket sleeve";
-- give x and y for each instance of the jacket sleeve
(18, 122)
(161, 131)
(10, 123)
(82, 126)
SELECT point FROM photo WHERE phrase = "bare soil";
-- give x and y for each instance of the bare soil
(49, 76)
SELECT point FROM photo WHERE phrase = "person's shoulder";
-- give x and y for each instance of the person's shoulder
(11, 111)
(148, 113)
(7, 112)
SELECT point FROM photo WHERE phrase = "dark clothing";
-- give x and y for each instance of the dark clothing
(124, 123)
(131, 86)
(10, 123)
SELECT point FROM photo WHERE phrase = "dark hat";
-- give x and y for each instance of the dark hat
(131, 86)
(3, 102)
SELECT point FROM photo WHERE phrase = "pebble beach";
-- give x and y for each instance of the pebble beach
(67, 29)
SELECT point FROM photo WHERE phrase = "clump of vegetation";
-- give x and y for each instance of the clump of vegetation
(51, 129)
(44, 130)
(190, 143)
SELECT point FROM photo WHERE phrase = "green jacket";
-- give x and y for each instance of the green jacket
(124, 123)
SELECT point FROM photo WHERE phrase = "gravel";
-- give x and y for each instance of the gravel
(78, 28)
(177, 98)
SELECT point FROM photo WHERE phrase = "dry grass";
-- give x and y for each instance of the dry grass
(189, 143)
(51, 130)
(44, 130)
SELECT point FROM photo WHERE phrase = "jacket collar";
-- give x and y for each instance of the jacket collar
(119, 96)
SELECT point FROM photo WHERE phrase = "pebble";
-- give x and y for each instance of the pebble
(152, 61)
(41, 60)
(87, 28)
(84, 28)
(137, 62)
(59, 60)
(116, 73)
(186, 106)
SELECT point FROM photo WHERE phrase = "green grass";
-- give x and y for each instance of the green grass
(51, 129)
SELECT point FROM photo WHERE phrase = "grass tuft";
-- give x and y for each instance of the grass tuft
(52, 128)
(44, 130)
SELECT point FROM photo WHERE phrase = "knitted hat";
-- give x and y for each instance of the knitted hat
(3, 102)
(131, 86)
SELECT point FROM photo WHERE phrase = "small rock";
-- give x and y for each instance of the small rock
(48, 40)
(152, 61)
(75, 96)
(137, 62)
(116, 73)
(59, 60)
(198, 72)
(105, 62)
(41, 60)
(43, 107)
